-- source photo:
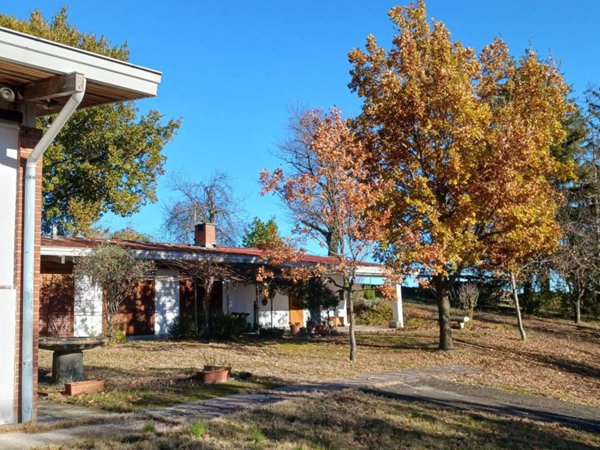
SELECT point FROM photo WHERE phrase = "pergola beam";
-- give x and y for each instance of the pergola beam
(57, 86)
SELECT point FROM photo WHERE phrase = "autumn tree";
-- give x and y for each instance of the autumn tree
(207, 201)
(107, 158)
(297, 153)
(115, 270)
(462, 146)
(263, 235)
(341, 162)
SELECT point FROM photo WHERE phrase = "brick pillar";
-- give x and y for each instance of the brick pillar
(28, 137)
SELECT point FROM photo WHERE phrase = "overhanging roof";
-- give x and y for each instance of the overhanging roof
(74, 247)
(25, 58)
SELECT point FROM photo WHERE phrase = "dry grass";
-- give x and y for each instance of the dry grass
(560, 360)
(356, 420)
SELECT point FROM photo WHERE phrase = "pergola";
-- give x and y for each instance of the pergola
(39, 77)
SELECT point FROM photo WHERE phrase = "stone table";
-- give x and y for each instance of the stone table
(67, 359)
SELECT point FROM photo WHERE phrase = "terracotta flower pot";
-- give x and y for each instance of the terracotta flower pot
(321, 329)
(295, 329)
(214, 374)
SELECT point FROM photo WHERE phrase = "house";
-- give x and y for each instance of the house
(39, 77)
(74, 307)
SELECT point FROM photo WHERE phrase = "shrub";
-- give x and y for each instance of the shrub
(222, 327)
(376, 312)
(183, 328)
(118, 337)
(271, 333)
(226, 327)
(369, 293)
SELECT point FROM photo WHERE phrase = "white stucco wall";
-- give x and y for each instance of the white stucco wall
(167, 300)
(281, 313)
(8, 295)
(239, 298)
(87, 308)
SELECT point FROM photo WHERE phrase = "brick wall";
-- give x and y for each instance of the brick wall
(27, 140)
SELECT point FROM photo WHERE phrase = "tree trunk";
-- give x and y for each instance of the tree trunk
(207, 292)
(315, 314)
(350, 309)
(517, 307)
(195, 287)
(333, 243)
(578, 310)
(443, 302)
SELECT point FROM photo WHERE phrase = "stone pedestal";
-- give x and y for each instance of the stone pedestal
(67, 366)
(67, 359)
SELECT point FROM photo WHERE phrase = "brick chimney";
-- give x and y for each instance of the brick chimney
(205, 235)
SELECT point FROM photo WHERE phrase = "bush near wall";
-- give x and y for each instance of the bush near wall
(223, 327)
(373, 312)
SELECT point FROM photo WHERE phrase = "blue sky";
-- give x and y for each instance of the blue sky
(232, 69)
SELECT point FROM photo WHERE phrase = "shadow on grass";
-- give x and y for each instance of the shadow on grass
(555, 362)
(353, 420)
(504, 409)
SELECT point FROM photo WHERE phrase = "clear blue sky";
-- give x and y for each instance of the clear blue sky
(233, 68)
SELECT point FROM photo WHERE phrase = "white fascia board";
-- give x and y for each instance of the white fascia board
(155, 255)
(30, 51)
(370, 271)
(362, 271)
(187, 256)
(64, 251)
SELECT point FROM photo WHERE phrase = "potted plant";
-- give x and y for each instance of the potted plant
(214, 371)
(310, 327)
(321, 328)
(295, 328)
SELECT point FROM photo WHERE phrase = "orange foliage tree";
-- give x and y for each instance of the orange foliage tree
(461, 143)
(344, 204)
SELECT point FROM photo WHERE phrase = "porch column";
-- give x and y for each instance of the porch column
(397, 310)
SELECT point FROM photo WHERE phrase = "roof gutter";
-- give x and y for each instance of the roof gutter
(29, 249)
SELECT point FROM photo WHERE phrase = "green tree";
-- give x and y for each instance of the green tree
(262, 235)
(130, 234)
(107, 158)
(314, 294)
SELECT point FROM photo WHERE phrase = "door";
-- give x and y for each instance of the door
(139, 309)
(296, 314)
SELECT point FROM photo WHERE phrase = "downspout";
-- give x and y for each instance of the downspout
(28, 252)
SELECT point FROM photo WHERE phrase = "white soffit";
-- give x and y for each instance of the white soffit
(25, 58)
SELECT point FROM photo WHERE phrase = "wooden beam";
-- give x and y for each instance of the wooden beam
(57, 86)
